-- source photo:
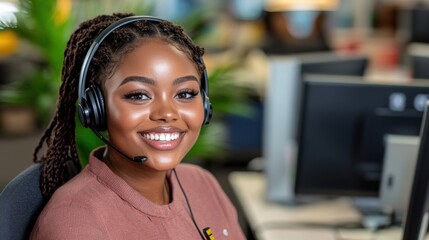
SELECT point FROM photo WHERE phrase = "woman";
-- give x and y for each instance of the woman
(143, 83)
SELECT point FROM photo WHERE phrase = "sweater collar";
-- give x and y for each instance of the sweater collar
(115, 183)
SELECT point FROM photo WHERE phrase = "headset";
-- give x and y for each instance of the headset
(91, 106)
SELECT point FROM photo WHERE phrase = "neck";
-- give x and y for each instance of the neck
(153, 185)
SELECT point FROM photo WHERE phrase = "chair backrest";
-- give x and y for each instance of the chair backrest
(21, 202)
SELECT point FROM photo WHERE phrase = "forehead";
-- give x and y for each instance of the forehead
(156, 58)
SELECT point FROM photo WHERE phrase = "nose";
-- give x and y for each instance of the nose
(164, 111)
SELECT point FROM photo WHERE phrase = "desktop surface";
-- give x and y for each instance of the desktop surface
(322, 220)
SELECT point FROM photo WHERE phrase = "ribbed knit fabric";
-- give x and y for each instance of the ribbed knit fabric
(98, 204)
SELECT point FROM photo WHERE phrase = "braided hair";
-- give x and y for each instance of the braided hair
(59, 136)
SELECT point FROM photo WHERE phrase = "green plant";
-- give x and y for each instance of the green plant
(43, 25)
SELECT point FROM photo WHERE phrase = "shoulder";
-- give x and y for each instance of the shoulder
(73, 208)
(82, 187)
(81, 192)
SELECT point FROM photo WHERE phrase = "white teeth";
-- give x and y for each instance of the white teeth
(161, 137)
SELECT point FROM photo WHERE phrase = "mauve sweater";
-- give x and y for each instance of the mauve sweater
(98, 204)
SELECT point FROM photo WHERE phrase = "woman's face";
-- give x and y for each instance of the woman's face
(154, 105)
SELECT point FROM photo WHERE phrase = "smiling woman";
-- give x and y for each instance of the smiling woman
(142, 81)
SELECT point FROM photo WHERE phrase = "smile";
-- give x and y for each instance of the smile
(166, 137)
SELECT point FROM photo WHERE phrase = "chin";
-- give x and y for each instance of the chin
(164, 163)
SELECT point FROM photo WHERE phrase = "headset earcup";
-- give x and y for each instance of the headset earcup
(208, 110)
(84, 113)
(101, 108)
(95, 103)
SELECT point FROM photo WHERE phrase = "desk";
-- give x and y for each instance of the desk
(271, 221)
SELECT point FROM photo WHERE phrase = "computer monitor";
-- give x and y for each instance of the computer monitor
(417, 59)
(334, 64)
(343, 128)
(244, 136)
(419, 16)
(417, 215)
(419, 67)
(281, 112)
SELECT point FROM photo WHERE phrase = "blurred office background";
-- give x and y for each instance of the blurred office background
(240, 37)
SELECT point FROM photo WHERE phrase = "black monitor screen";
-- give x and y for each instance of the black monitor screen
(418, 29)
(338, 65)
(343, 128)
(419, 67)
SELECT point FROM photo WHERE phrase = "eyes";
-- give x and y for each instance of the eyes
(136, 96)
(186, 94)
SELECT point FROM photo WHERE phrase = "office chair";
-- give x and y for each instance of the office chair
(21, 202)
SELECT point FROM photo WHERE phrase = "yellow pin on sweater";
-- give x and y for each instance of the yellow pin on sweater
(208, 233)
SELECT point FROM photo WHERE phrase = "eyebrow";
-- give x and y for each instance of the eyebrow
(152, 82)
(138, 79)
(185, 79)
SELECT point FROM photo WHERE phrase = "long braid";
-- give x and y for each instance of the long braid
(60, 137)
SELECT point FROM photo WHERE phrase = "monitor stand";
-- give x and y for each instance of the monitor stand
(373, 215)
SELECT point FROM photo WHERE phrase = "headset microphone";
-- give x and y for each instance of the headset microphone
(137, 159)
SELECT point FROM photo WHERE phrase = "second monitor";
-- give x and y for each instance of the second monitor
(343, 129)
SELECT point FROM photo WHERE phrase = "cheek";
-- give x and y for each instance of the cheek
(124, 117)
(193, 116)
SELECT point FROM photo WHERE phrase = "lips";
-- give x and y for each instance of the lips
(163, 138)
